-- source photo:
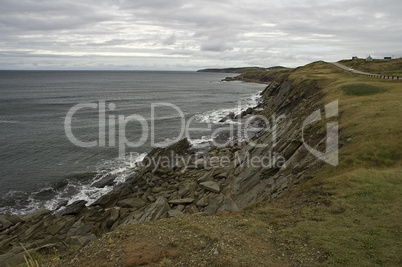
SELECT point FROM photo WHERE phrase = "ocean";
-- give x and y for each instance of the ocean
(44, 113)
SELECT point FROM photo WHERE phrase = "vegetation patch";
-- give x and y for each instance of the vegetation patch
(361, 89)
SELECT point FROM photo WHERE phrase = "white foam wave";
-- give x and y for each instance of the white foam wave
(201, 142)
(215, 116)
(120, 167)
(23, 202)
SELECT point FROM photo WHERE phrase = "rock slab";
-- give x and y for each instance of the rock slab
(211, 186)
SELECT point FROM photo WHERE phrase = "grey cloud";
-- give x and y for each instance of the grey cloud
(192, 34)
(170, 40)
(215, 46)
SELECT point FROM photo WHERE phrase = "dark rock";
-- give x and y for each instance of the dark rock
(214, 202)
(107, 200)
(105, 181)
(125, 190)
(179, 148)
(135, 203)
(191, 209)
(145, 196)
(186, 188)
(231, 115)
(199, 163)
(8, 220)
(174, 213)
(202, 202)
(222, 175)
(157, 189)
(182, 201)
(79, 229)
(37, 215)
(229, 205)
(56, 227)
(246, 112)
(34, 229)
(156, 210)
(73, 208)
(180, 207)
(151, 198)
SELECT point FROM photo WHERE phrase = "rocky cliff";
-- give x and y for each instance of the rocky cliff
(267, 166)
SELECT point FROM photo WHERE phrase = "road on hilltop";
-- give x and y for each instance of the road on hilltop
(350, 69)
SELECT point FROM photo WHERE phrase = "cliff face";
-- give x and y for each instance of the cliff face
(267, 166)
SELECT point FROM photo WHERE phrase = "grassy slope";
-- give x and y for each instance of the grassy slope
(349, 215)
(353, 211)
(387, 67)
(239, 70)
(261, 76)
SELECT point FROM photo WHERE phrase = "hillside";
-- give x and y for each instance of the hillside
(305, 213)
(259, 76)
(377, 66)
(239, 70)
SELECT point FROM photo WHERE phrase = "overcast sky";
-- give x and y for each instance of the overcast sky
(188, 35)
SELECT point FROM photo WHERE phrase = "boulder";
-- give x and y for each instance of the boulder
(56, 226)
(73, 208)
(214, 202)
(179, 148)
(229, 205)
(211, 186)
(151, 198)
(79, 229)
(37, 214)
(8, 220)
(182, 201)
(105, 181)
(231, 115)
(186, 188)
(202, 202)
(135, 203)
(199, 163)
(157, 189)
(174, 213)
(108, 199)
(156, 210)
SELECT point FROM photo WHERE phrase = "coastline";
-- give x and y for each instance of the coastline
(139, 193)
(74, 183)
(308, 210)
(148, 194)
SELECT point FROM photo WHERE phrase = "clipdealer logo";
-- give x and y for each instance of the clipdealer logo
(112, 123)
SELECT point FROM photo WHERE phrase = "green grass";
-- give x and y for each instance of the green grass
(375, 66)
(349, 214)
(361, 89)
(352, 219)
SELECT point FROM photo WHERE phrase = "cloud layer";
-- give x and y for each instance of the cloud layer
(188, 35)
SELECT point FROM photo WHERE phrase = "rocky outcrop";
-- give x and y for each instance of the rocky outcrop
(263, 168)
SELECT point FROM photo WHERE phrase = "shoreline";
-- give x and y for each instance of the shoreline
(82, 180)
(154, 192)
(308, 211)
(105, 183)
